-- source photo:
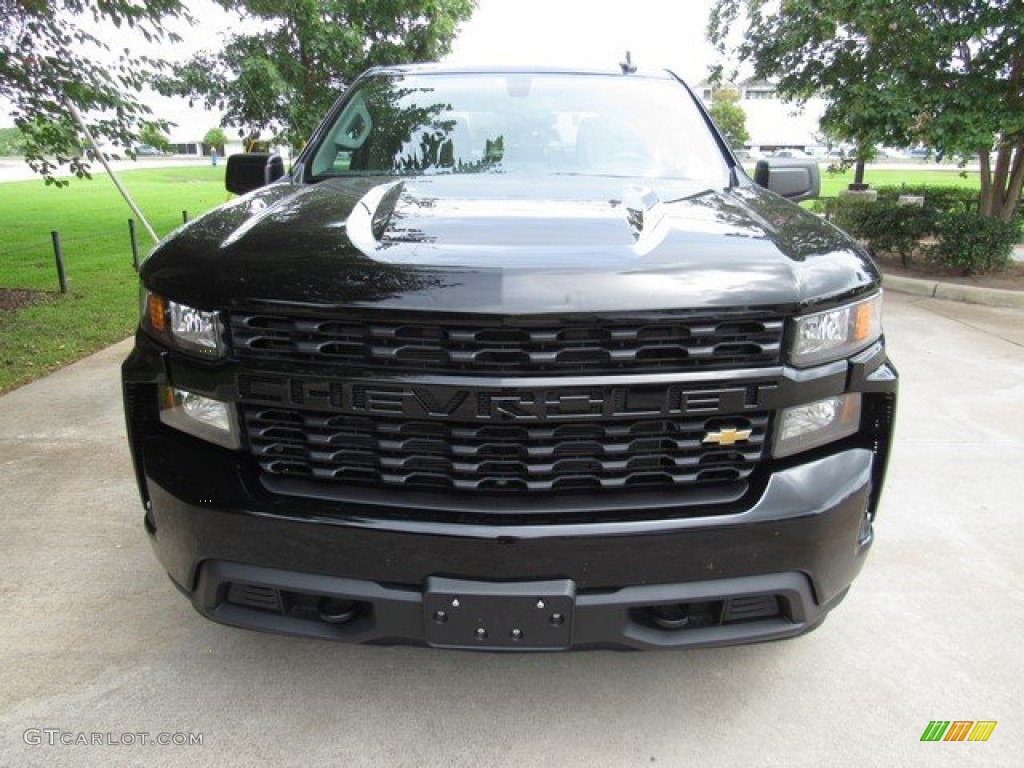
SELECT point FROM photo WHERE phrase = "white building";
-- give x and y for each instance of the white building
(772, 123)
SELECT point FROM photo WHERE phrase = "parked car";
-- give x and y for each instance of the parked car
(145, 150)
(790, 153)
(513, 359)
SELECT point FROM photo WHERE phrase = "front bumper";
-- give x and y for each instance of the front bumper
(664, 573)
(797, 549)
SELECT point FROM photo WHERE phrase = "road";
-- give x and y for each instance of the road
(96, 641)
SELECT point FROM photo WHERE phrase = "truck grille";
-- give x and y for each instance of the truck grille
(467, 456)
(637, 343)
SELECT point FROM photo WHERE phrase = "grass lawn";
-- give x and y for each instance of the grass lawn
(101, 305)
(880, 176)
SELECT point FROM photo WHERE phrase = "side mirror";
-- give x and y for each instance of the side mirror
(794, 178)
(252, 170)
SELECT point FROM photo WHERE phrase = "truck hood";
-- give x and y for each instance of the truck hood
(508, 245)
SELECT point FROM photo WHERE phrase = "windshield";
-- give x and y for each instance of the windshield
(625, 126)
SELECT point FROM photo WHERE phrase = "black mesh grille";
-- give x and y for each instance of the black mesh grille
(679, 342)
(467, 456)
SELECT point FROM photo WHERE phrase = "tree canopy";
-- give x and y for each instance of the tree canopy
(47, 55)
(151, 134)
(282, 77)
(948, 74)
(729, 116)
(12, 142)
(216, 138)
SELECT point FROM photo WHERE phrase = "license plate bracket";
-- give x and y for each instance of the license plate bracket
(533, 615)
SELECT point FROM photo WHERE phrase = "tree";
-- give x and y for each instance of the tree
(215, 138)
(948, 74)
(151, 134)
(12, 142)
(46, 57)
(729, 116)
(283, 78)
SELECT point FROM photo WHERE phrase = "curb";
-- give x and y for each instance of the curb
(968, 294)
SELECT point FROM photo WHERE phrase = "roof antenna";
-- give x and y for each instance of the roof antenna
(628, 67)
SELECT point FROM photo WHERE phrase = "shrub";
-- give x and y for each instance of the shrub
(886, 226)
(974, 243)
(943, 199)
(966, 241)
(844, 212)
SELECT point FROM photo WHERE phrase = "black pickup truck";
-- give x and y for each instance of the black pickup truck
(512, 359)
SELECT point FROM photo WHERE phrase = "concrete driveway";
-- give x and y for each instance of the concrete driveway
(95, 644)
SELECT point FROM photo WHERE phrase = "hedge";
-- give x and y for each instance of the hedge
(974, 243)
(964, 240)
(936, 198)
(887, 226)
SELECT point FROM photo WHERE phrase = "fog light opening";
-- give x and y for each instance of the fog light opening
(804, 427)
(675, 616)
(338, 610)
(200, 416)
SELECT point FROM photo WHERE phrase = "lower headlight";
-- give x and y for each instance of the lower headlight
(203, 417)
(807, 426)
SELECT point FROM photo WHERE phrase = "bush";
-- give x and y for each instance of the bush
(974, 243)
(939, 199)
(966, 241)
(942, 199)
(886, 226)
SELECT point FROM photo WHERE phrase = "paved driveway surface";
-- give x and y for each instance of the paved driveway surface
(94, 640)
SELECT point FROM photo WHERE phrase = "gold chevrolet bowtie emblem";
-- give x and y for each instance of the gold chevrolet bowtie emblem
(727, 436)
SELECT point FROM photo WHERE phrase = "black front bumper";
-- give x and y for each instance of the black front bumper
(674, 570)
(797, 549)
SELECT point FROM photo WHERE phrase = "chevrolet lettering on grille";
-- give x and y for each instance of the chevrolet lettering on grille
(502, 405)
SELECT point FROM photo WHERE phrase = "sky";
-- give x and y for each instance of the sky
(659, 34)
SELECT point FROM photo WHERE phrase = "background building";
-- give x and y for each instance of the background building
(772, 123)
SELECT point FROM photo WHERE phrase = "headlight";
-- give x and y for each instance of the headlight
(836, 333)
(204, 417)
(807, 426)
(187, 328)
